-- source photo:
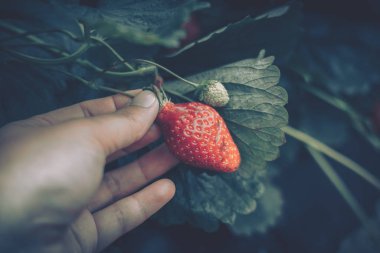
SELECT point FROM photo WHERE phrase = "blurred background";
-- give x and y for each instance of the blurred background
(328, 52)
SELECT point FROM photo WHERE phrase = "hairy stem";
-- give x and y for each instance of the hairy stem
(114, 52)
(177, 94)
(26, 34)
(67, 58)
(95, 86)
(168, 71)
(140, 72)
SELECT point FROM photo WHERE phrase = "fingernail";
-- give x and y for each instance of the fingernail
(144, 99)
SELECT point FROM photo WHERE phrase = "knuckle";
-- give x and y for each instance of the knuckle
(113, 185)
(120, 218)
(141, 211)
(140, 168)
(85, 110)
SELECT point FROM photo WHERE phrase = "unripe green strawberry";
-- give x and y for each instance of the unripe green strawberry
(214, 93)
(197, 135)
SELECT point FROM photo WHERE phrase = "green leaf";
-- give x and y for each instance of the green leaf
(154, 22)
(269, 209)
(277, 31)
(254, 116)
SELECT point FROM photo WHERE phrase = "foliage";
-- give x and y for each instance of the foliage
(254, 115)
(241, 40)
(152, 22)
(269, 208)
(49, 48)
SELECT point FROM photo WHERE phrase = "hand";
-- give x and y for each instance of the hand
(54, 195)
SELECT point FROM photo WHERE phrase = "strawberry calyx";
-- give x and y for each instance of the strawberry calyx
(161, 95)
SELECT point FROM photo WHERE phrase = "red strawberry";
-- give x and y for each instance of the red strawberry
(198, 136)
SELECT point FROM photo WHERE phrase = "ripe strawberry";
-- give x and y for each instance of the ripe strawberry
(198, 136)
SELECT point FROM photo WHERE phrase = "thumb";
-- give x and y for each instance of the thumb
(124, 127)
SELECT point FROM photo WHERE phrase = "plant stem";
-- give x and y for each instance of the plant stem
(169, 71)
(65, 58)
(37, 40)
(113, 51)
(177, 94)
(83, 48)
(95, 86)
(345, 193)
(339, 184)
(335, 155)
(361, 124)
(34, 44)
(83, 62)
(25, 34)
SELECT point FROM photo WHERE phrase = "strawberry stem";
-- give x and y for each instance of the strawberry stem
(160, 94)
(113, 51)
(65, 55)
(63, 59)
(83, 48)
(26, 34)
(177, 94)
(196, 85)
(95, 86)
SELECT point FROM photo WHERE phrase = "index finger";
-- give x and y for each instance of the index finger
(89, 108)
(114, 131)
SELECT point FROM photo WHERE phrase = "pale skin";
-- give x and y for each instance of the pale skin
(54, 193)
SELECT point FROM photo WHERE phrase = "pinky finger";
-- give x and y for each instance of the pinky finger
(126, 214)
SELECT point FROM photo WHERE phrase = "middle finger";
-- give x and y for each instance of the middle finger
(124, 181)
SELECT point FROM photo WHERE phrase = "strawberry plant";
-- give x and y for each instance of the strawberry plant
(224, 104)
